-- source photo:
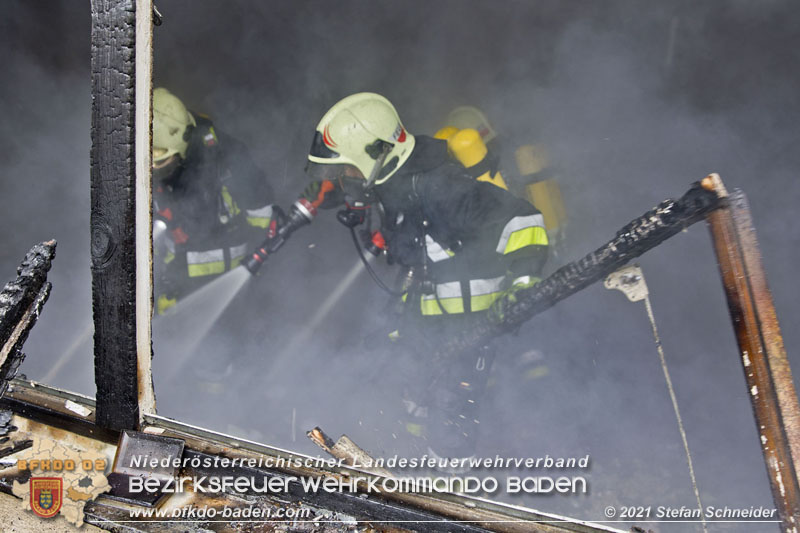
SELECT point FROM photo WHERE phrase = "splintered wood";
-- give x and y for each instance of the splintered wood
(21, 302)
(347, 450)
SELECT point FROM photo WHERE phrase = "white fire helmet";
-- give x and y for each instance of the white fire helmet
(172, 125)
(360, 136)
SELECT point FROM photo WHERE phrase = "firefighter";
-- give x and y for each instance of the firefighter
(211, 203)
(467, 246)
(473, 140)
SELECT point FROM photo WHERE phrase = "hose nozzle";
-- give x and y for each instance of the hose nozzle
(300, 214)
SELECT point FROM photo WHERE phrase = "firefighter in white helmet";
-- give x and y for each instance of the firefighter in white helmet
(210, 197)
(468, 244)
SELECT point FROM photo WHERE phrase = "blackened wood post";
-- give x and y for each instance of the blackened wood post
(766, 369)
(114, 215)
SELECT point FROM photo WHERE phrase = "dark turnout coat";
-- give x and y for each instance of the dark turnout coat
(471, 238)
(217, 206)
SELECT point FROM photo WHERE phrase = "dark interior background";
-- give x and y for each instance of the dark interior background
(634, 101)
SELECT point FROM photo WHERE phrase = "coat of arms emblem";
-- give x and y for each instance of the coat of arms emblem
(46, 495)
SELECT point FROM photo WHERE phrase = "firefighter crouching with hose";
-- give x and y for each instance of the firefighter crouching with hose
(466, 246)
(211, 206)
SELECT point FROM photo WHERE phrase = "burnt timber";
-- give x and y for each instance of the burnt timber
(21, 301)
(44, 405)
(447, 512)
(634, 239)
(113, 246)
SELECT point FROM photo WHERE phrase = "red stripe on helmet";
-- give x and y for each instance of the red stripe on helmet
(326, 137)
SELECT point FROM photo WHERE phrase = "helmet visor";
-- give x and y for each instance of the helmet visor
(331, 172)
(320, 149)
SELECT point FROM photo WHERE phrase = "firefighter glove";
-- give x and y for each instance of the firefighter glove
(499, 309)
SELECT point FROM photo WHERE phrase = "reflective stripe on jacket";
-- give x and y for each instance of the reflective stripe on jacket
(522, 231)
(216, 261)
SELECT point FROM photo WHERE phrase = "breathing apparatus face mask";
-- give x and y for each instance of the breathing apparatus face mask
(348, 177)
(356, 186)
(167, 170)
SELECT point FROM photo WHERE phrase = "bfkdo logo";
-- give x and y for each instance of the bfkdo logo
(46, 496)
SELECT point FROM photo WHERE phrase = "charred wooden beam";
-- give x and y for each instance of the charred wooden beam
(113, 217)
(637, 237)
(21, 301)
(766, 368)
(121, 209)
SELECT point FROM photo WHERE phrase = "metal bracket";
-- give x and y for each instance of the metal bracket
(630, 281)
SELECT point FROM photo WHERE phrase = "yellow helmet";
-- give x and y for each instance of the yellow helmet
(471, 117)
(445, 133)
(361, 132)
(172, 125)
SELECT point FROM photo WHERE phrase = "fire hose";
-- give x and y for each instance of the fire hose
(634, 239)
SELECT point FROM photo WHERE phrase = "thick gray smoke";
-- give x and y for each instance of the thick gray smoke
(632, 100)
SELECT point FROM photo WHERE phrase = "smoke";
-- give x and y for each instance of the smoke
(44, 185)
(632, 101)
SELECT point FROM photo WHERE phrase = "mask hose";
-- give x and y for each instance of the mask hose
(369, 268)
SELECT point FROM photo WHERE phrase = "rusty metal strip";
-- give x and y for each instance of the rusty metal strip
(735, 255)
(768, 322)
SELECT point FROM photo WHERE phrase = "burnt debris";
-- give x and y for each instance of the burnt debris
(21, 303)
